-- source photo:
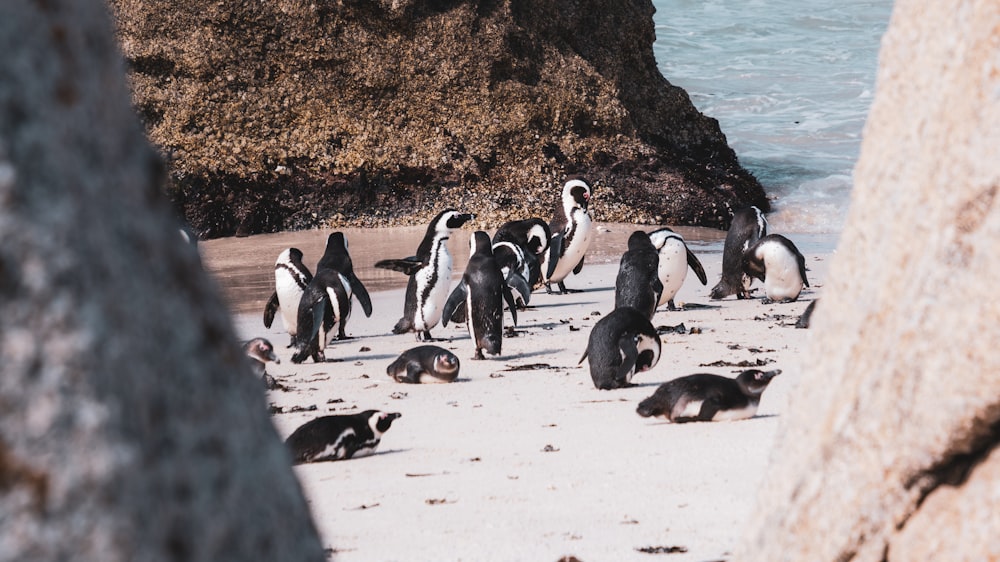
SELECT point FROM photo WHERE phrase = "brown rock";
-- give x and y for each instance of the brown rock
(889, 449)
(283, 114)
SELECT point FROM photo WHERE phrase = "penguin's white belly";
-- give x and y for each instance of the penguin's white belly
(781, 273)
(689, 409)
(289, 295)
(428, 312)
(577, 248)
(736, 413)
(672, 269)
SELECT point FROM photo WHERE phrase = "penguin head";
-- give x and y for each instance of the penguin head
(576, 193)
(480, 244)
(639, 240)
(336, 241)
(753, 381)
(261, 350)
(290, 255)
(538, 238)
(660, 236)
(446, 362)
(450, 219)
(381, 421)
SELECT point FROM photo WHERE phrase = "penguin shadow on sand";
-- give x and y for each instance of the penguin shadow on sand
(536, 353)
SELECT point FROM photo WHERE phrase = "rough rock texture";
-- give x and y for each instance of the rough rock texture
(890, 449)
(131, 427)
(283, 114)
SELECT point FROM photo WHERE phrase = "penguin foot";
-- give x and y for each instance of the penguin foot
(564, 291)
(479, 355)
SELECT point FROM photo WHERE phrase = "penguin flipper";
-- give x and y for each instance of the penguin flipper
(270, 309)
(631, 354)
(584, 356)
(578, 268)
(695, 264)
(555, 250)
(456, 298)
(408, 265)
(657, 286)
(511, 304)
(361, 293)
(802, 268)
(517, 282)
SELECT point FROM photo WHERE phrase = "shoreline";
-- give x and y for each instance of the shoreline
(522, 458)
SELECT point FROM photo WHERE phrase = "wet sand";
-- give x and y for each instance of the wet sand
(522, 458)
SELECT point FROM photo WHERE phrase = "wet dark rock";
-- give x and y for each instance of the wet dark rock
(287, 115)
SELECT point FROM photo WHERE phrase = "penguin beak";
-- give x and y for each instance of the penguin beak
(768, 375)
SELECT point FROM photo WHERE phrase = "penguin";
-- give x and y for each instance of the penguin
(325, 305)
(532, 236)
(674, 260)
(291, 277)
(513, 262)
(705, 397)
(483, 289)
(430, 275)
(776, 261)
(424, 364)
(638, 284)
(806, 318)
(260, 352)
(336, 257)
(572, 233)
(338, 437)
(748, 226)
(621, 344)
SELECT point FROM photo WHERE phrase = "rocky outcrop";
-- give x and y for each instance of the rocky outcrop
(286, 114)
(890, 449)
(131, 426)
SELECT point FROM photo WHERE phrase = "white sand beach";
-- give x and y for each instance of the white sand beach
(522, 458)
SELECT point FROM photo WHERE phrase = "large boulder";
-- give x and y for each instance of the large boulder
(287, 114)
(131, 426)
(889, 450)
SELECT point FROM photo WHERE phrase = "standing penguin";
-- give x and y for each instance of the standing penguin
(638, 284)
(572, 233)
(705, 397)
(291, 277)
(776, 261)
(332, 438)
(748, 226)
(513, 262)
(337, 257)
(483, 290)
(531, 235)
(325, 305)
(621, 344)
(674, 259)
(430, 275)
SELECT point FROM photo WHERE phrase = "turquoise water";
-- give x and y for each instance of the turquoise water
(790, 82)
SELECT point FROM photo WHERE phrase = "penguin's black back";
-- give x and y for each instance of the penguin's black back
(335, 437)
(604, 347)
(638, 285)
(748, 226)
(485, 282)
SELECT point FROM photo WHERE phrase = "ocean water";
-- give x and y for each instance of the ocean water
(790, 82)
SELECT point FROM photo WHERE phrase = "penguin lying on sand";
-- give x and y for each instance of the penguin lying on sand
(776, 261)
(331, 438)
(705, 397)
(748, 226)
(430, 275)
(424, 364)
(621, 344)
(674, 260)
(260, 351)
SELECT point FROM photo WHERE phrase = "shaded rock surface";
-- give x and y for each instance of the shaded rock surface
(132, 427)
(889, 451)
(285, 114)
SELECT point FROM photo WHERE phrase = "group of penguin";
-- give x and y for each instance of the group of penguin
(521, 256)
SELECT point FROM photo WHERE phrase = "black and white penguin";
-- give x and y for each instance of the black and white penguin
(532, 236)
(324, 309)
(338, 437)
(572, 233)
(430, 275)
(425, 364)
(638, 284)
(776, 261)
(483, 290)
(748, 226)
(513, 262)
(291, 277)
(705, 397)
(621, 344)
(337, 257)
(674, 260)
(260, 352)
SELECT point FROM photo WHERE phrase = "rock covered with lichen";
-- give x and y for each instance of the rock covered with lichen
(286, 114)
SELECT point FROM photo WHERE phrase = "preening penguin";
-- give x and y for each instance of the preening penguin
(425, 364)
(572, 233)
(637, 284)
(291, 277)
(674, 259)
(430, 275)
(515, 270)
(325, 306)
(336, 257)
(483, 290)
(332, 438)
(532, 236)
(748, 226)
(705, 397)
(776, 261)
(621, 344)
